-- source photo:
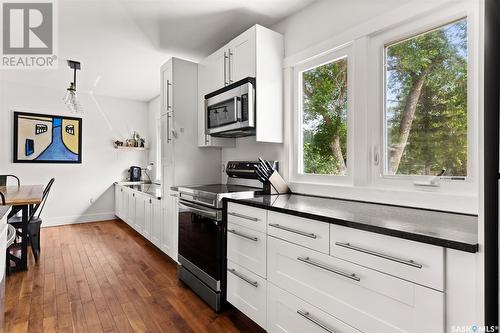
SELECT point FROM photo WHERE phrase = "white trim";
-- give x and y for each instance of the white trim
(76, 219)
(343, 52)
(378, 139)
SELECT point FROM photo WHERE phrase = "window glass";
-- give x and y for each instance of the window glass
(426, 103)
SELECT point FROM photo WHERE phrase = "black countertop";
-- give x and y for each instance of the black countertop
(450, 230)
(152, 189)
(4, 210)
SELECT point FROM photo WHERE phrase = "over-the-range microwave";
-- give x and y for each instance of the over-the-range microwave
(230, 111)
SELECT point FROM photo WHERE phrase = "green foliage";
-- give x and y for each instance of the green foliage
(325, 118)
(438, 136)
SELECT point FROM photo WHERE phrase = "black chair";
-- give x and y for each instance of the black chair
(4, 178)
(34, 221)
(2, 197)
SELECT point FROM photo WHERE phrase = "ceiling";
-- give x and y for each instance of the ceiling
(121, 44)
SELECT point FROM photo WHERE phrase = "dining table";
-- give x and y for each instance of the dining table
(24, 199)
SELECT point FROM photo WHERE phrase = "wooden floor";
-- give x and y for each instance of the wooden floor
(104, 277)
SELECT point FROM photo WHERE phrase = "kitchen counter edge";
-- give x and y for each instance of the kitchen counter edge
(399, 233)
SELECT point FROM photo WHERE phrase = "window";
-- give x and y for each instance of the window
(426, 114)
(323, 113)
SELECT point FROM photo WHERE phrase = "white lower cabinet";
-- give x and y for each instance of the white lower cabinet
(247, 248)
(363, 298)
(156, 223)
(247, 292)
(140, 213)
(287, 313)
(143, 213)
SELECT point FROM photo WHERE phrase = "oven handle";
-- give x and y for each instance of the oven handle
(204, 211)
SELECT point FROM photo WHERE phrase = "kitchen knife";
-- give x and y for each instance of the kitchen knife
(260, 175)
(269, 165)
(263, 164)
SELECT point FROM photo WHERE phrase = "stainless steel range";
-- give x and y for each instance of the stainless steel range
(202, 231)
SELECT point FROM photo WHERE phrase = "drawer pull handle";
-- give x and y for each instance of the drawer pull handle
(243, 216)
(243, 277)
(378, 254)
(308, 260)
(318, 322)
(255, 239)
(300, 232)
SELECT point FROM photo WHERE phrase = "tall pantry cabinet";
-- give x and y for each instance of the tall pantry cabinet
(183, 163)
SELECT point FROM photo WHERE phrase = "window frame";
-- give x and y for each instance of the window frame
(344, 51)
(377, 77)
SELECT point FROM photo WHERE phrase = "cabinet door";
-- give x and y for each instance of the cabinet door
(242, 56)
(156, 223)
(148, 218)
(131, 209)
(140, 213)
(166, 87)
(118, 200)
(124, 204)
(169, 227)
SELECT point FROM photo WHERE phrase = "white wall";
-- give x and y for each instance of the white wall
(312, 25)
(105, 119)
(154, 115)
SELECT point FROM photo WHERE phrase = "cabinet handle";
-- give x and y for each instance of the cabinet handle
(150, 201)
(243, 277)
(225, 71)
(380, 255)
(308, 316)
(230, 74)
(243, 216)
(300, 232)
(255, 239)
(308, 261)
(133, 194)
(121, 190)
(169, 119)
(169, 106)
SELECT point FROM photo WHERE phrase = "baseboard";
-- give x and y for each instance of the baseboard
(65, 220)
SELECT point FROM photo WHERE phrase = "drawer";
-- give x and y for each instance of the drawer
(246, 216)
(247, 248)
(309, 233)
(289, 314)
(247, 292)
(413, 261)
(361, 297)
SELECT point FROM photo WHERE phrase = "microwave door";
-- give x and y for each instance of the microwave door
(221, 114)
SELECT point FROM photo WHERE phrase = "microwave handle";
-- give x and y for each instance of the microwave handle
(237, 107)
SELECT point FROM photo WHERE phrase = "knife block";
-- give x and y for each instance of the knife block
(276, 185)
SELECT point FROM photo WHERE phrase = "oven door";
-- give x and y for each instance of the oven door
(200, 242)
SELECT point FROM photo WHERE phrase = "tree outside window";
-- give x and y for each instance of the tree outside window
(324, 119)
(426, 103)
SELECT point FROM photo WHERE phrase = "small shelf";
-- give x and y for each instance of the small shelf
(131, 148)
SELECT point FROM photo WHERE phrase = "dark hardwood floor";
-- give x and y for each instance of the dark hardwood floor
(104, 277)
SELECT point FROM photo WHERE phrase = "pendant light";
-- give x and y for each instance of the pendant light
(70, 98)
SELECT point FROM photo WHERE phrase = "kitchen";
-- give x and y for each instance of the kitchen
(254, 166)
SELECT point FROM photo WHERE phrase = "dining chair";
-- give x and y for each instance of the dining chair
(4, 179)
(2, 197)
(34, 221)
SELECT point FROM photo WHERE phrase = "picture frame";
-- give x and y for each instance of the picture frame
(46, 138)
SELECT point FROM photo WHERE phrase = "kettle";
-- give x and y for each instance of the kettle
(135, 173)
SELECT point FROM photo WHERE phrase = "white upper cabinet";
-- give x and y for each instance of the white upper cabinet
(257, 53)
(241, 56)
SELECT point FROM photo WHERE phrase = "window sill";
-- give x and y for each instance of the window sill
(428, 198)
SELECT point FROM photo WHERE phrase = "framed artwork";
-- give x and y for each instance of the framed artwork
(42, 138)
